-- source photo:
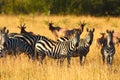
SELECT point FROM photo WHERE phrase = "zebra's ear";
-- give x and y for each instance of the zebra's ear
(93, 29)
(4, 28)
(112, 31)
(7, 31)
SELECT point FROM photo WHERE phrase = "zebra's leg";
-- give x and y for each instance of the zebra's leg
(35, 53)
(61, 60)
(68, 59)
(14, 52)
(108, 59)
(31, 56)
(57, 61)
(103, 59)
(84, 58)
(111, 59)
(81, 57)
(42, 56)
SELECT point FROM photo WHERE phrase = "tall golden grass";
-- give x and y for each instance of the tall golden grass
(21, 68)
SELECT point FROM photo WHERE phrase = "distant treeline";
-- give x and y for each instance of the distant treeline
(61, 7)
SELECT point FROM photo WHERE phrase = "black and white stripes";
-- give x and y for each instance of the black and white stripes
(58, 50)
(15, 45)
(36, 46)
(83, 46)
(108, 49)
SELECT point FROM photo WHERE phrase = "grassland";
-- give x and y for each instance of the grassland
(21, 68)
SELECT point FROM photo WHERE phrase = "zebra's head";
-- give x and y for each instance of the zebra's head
(3, 38)
(89, 36)
(109, 37)
(76, 37)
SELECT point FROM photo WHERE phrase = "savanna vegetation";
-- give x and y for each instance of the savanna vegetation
(61, 7)
(21, 68)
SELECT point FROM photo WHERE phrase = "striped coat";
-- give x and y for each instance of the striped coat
(83, 45)
(57, 50)
(108, 49)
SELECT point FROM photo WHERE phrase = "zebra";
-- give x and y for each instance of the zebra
(14, 45)
(108, 49)
(28, 37)
(57, 50)
(83, 46)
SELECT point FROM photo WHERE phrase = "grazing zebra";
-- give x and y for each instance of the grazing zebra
(108, 49)
(14, 45)
(83, 46)
(57, 50)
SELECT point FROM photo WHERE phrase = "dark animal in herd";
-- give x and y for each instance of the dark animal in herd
(58, 31)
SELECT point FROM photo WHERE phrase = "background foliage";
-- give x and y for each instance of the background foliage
(61, 7)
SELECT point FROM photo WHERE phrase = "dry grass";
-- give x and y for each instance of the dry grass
(21, 68)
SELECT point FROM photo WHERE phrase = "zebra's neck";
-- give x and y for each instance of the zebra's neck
(109, 42)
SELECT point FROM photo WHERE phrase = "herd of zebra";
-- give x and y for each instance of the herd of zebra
(67, 46)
